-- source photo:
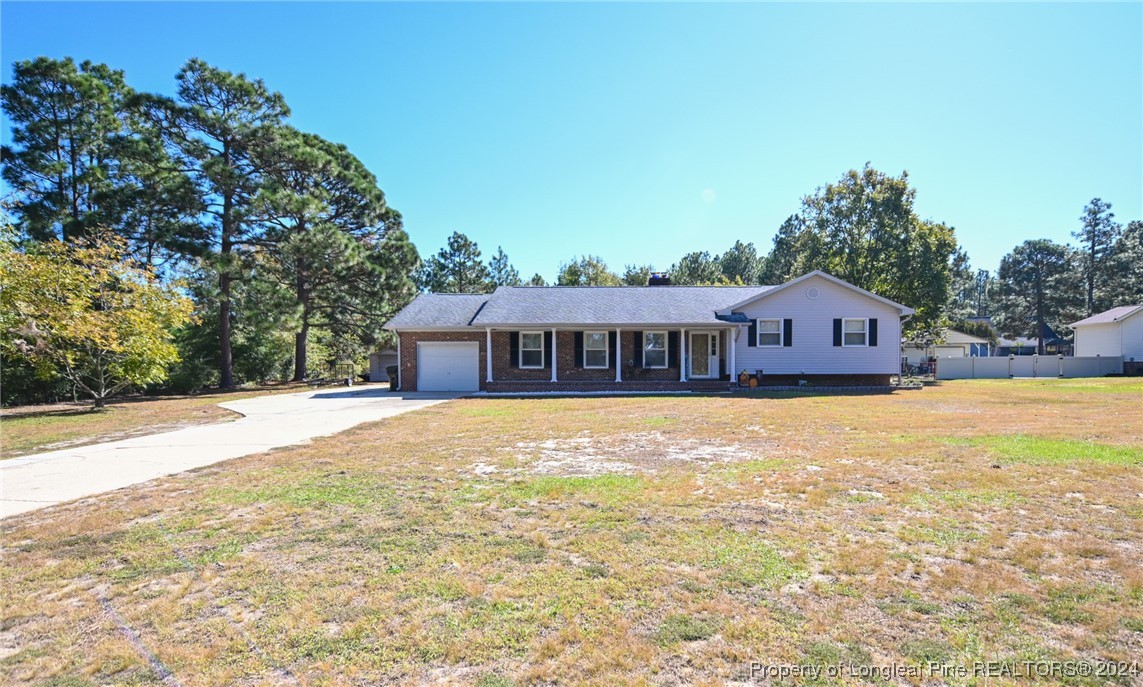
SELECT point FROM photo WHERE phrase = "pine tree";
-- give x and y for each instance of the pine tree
(64, 120)
(537, 280)
(456, 268)
(1098, 235)
(324, 220)
(502, 272)
(1125, 282)
(698, 268)
(1038, 285)
(741, 263)
(215, 129)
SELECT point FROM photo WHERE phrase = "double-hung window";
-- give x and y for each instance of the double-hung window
(654, 349)
(855, 332)
(595, 349)
(531, 349)
(769, 332)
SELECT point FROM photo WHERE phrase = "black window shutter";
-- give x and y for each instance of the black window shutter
(873, 331)
(579, 349)
(547, 349)
(514, 348)
(612, 339)
(673, 349)
(637, 361)
(753, 339)
(787, 332)
(837, 331)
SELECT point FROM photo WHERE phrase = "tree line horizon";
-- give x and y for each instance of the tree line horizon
(199, 239)
(863, 229)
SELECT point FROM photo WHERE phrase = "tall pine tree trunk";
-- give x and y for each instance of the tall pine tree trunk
(225, 354)
(300, 361)
(1039, 316)
(301, 337)
(1091, 281)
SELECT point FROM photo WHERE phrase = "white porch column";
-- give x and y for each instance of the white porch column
(731, 337)
(618, 355)
(682, 355)
(554, 354)
(488, 352)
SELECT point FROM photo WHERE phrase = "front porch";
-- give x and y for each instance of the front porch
(653, 359)
(526, 387)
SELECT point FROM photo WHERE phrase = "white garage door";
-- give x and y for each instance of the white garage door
(448, 366)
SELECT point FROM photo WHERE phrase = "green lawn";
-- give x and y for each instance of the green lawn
(651, 540)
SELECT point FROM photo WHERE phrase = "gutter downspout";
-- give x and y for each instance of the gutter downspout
(901, 349)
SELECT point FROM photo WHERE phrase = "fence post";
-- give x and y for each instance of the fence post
(1011, 357)
(1060, 358)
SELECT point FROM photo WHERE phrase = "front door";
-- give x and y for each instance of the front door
(703, 354)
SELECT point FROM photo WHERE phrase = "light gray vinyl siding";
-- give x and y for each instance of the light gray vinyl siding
(1133, 337)
(813, 351)
(1124, 338)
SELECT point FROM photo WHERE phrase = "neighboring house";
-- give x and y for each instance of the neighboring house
(953, 344)
(1115, 332)
(815, 328)
(1054, 344)
(378, 361)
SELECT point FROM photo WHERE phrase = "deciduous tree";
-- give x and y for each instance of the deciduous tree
(637, 275)
(587, 270)
(89, 313)
(863, 229)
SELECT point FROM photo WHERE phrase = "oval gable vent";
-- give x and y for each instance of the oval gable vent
(813, 292)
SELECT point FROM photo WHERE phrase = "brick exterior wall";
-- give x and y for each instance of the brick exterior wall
(826, 380)
(568, 369)
(408, 361)
(509, 378)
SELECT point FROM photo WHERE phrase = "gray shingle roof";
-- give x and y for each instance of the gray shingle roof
(439, 310)
(587, 305)
(1109, 316)
(611, 305)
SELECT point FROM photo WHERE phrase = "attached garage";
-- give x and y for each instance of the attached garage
(448, 366)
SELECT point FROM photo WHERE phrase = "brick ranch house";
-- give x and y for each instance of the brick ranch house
(816, 328)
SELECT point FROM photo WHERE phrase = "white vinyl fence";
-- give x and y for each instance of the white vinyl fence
(1027, 366)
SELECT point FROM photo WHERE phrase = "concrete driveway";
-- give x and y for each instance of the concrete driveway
(43, 479)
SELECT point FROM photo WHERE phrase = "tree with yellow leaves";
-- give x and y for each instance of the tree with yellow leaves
(88, 312)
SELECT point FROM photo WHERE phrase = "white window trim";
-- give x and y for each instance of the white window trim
(521, 351)
(606, 351)
(865, 343)
(781, 333)
(666, 350)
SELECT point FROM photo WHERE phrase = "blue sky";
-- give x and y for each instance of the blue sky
(640, 132)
